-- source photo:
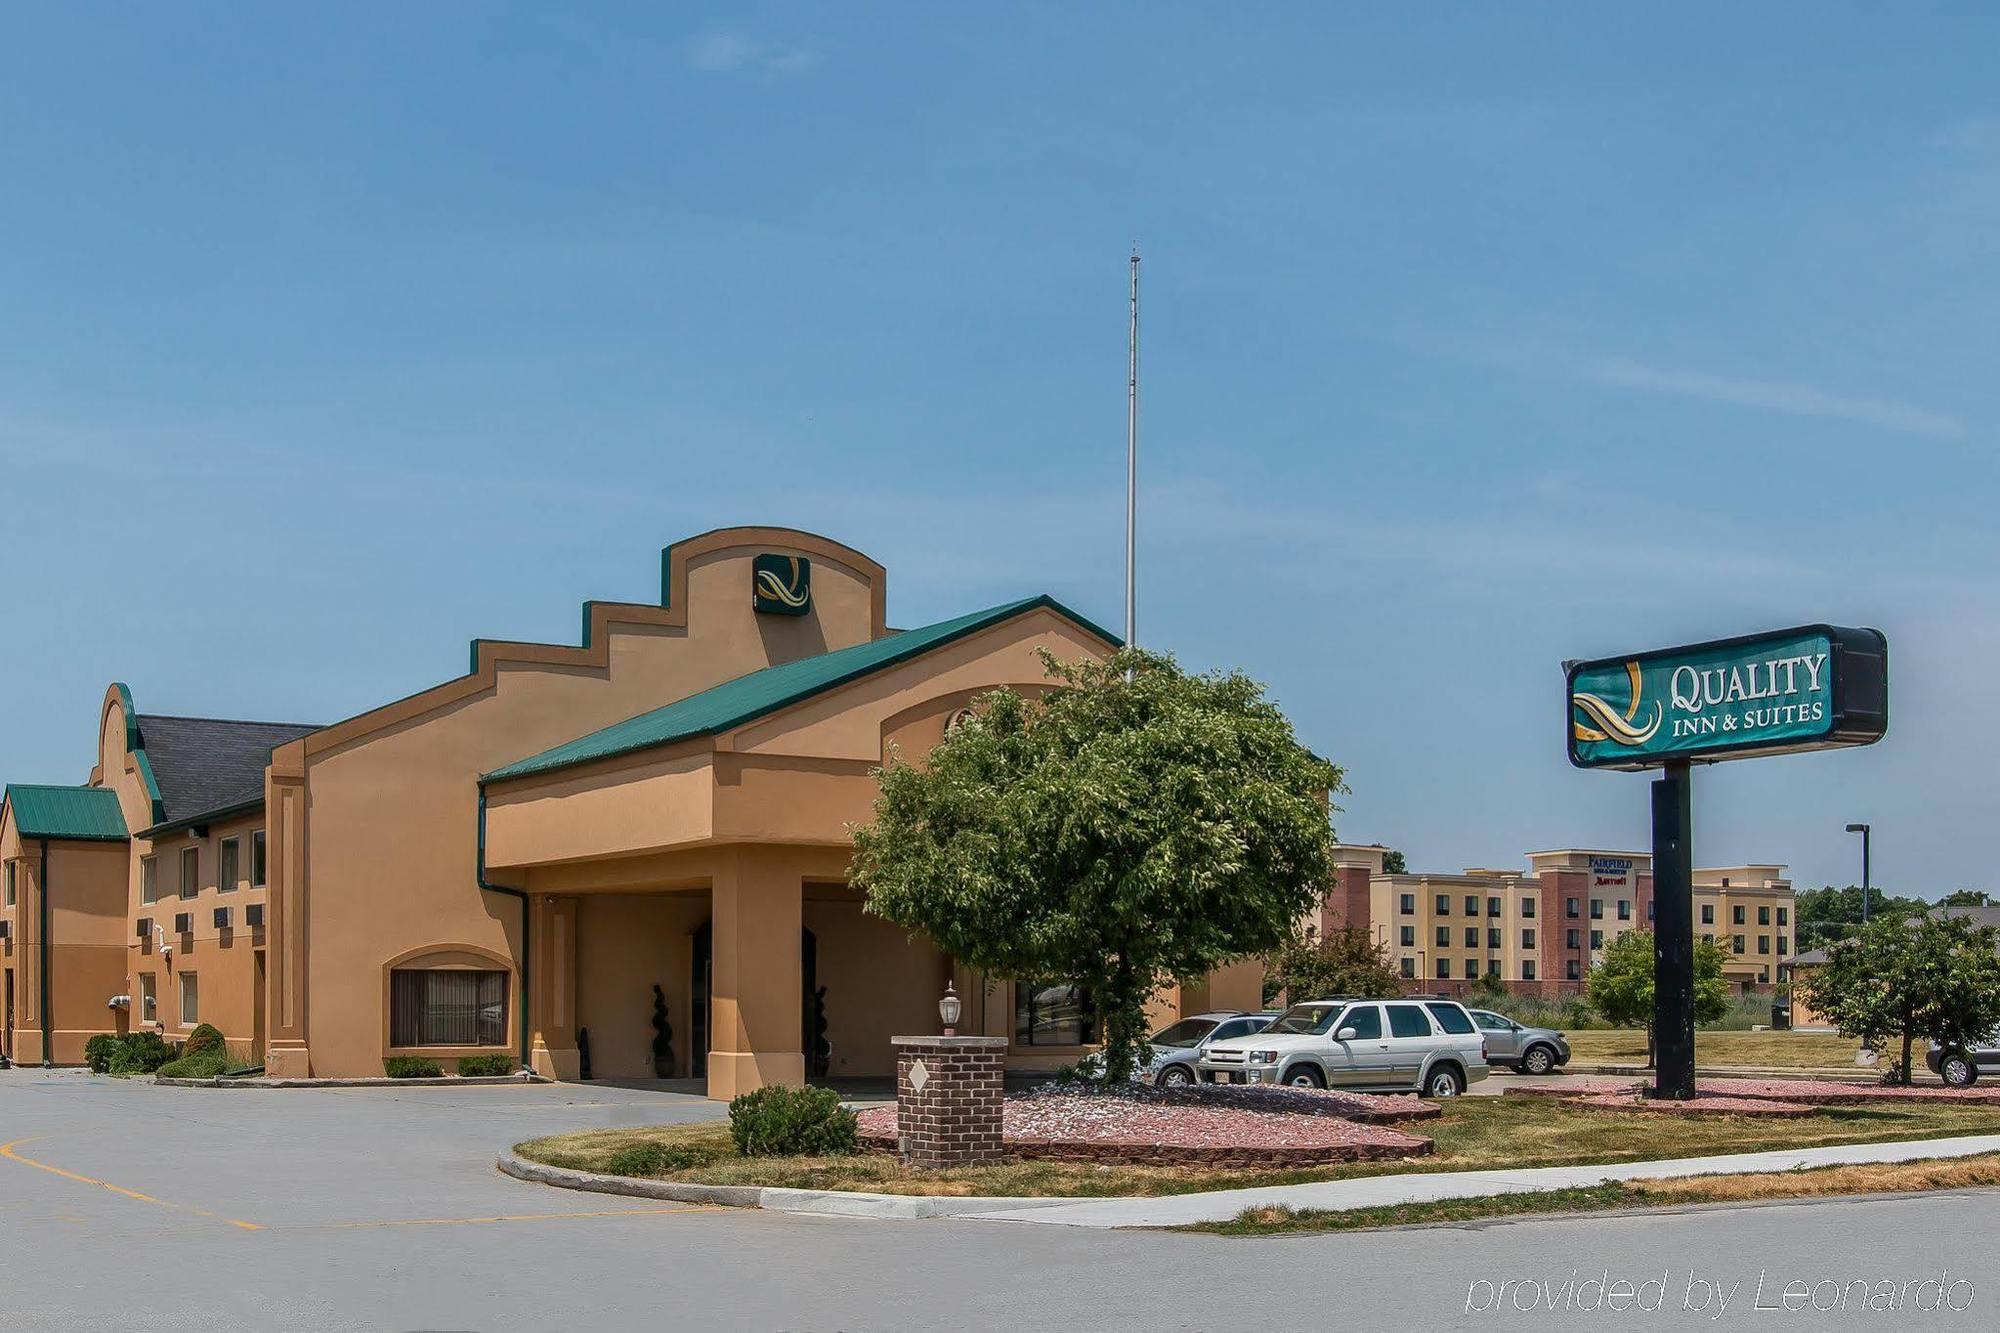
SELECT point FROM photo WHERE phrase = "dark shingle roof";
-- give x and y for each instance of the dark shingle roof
(206, 764)
(87, 813)
(737, 701)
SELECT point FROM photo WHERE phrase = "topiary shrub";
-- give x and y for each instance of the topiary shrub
(205, 1037)
(485, 1066)
(655, 1159)
(141, 1053)
(97, 1052)
(412, 1066)
(788, 1122)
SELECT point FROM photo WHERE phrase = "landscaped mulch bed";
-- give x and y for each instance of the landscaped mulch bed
(1822, 1093)
(1760, 1096)
(1199, 1126)
(1703, 1103)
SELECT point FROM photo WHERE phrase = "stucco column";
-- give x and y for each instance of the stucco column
(756, 917)
(552, 1017)
(285, 1052)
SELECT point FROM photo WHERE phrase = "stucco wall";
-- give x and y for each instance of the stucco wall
(625, 943)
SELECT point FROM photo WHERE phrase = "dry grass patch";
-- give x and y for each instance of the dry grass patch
(1756, 1050)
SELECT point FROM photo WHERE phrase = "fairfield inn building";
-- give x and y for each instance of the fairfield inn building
(511, 861)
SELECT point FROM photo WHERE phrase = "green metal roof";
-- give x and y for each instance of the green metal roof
(86, 813)
(735, 702)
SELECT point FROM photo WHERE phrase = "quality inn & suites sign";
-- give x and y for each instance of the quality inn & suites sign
(1811, 688)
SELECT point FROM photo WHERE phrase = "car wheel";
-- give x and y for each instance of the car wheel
(1174, 1076)
(1538, 1060)
(1443, 1081)
(1958, 1071)
(1304, 1076)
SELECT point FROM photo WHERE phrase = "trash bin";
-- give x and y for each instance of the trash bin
(1781, 1017)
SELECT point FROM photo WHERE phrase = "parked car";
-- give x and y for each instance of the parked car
(1177, 1048)
(1428, 1046)
(1523, 1049)
(1961, 1068)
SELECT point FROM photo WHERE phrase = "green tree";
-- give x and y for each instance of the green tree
(1933, 977)
(1346, 961)
(1111, 833)
(1829, 914)
(1393, 863)
(1620, 986)
(1967, 898)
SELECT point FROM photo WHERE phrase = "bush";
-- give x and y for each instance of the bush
(141, 1053)
(412, 1066)
(98, 1051)
(655, 1159)
(205, 1037)
(208, 1062)
(788, 1122)
(485, 1066)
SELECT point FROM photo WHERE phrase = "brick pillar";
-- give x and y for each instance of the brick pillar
(948, 1099)
(1346, 902)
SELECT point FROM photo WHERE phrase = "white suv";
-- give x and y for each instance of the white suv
(1427, 1046)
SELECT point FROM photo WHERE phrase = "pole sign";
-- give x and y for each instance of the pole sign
(1817, 687)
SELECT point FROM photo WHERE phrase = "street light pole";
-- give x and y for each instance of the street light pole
(1867, 888)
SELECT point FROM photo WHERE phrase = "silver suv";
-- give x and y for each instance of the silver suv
(1428, 1046)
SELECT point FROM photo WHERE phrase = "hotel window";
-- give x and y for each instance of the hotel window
(10, 884)
(1574, 940)
(1649, 909)
(1527, 909)
(190, 1000)
(1708, 914)
(225, 874)
(1527, 939)
(1444, 969)
(1444, 904)
(1527, 969)
(1570, 909)
(1444, 937)
(149, 879)
(1763, 916)
(1784, 916)
(1736, 916)
(1472, 904)
(1493, 967)
(461, 1007)
(1409, 904)
(149, 998)
(190, 871)
(1708, 937)
(1573, 969)
(257, 859)
(1624, 909)
(1472, 937)
(1493, 938)
(1410, 967)
(1493, 907)
(1784, 945)
(1736, 943)
(1597, 909)
(1597, 939)
(1763, 944)
(1409, 937)
(1763, 975)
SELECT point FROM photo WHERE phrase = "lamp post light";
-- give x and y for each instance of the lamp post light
(948, 1009)
(1866, 886)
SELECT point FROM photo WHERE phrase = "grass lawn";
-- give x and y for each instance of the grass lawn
(1818, 1182)
(1473, 1133)
(1763, 1050)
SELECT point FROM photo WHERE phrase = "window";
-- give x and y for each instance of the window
(1708, 937)
(1735, 916)
(1763, 975)
(190, 871)
(1784, 916)
(1410, 967)
(149, 879)
(1444, 937)
(1763, 944)
(149, 998)
(10, 884)
(190, 1000)
(1493, 967)
(1409, 937)
(1763, 916)
(1597, 909)
(1649, 909)
(1472, 904)
(1527, 909)
(1725, 881)
(225, 874)
(1597, 939)
(1241, 1027)
(1444, 969)
(456, 1007)
(1574, 939)
(1624, 909)
(1472, 937)
(1492, 1022)
(1407, 1020)
(1449, 1017)
(1493, 938)
(1784, 945)
(257, 859)
(1493, 907)
(1366, 1020)
(1527, 969)
(1708, 914)
(1570, 910)
(1409, 904)
(1443, 904)
(1736, 942)
(1043, 1016)
(1574, 970)
(1527, 939)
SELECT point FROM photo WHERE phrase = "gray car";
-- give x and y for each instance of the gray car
(1176, 1048)
(1962, 1068)
(1523, 1049)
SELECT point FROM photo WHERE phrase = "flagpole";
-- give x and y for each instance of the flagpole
(1132, 472)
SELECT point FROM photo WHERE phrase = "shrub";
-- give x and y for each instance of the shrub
(208, 1062)
(141, 1053)
(98, 1051)
(205, 1037)
(412, 1066)
(485, 1066)
(655, 1159)
(786, 1122)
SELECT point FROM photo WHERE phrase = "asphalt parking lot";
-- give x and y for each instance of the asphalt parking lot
(132, 1206)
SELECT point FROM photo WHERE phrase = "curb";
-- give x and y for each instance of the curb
(456, 1081)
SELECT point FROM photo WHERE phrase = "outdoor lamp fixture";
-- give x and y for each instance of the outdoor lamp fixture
(1866, 888)
(948, 1009)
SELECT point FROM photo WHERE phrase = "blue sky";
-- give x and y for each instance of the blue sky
(1476, 338)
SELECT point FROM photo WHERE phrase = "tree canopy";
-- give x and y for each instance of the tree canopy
(1933, 977)
(1829, 914)
(1620, 986)
(1345, 961)
(1110, 833)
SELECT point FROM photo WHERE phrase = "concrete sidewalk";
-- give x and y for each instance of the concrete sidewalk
(1374, 1191)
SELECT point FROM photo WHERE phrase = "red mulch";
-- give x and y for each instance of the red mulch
(1823, 1093)
(1703, 1103)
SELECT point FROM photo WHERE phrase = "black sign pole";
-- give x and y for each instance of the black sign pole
(1673, 933)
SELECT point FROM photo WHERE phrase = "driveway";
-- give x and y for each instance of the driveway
(127, 1205)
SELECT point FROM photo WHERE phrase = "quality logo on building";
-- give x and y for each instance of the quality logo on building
(781, 585)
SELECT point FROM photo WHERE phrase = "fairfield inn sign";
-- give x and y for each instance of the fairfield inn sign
(1812, 688)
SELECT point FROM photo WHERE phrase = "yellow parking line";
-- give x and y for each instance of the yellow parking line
(7, 1151)
(502, 1217)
